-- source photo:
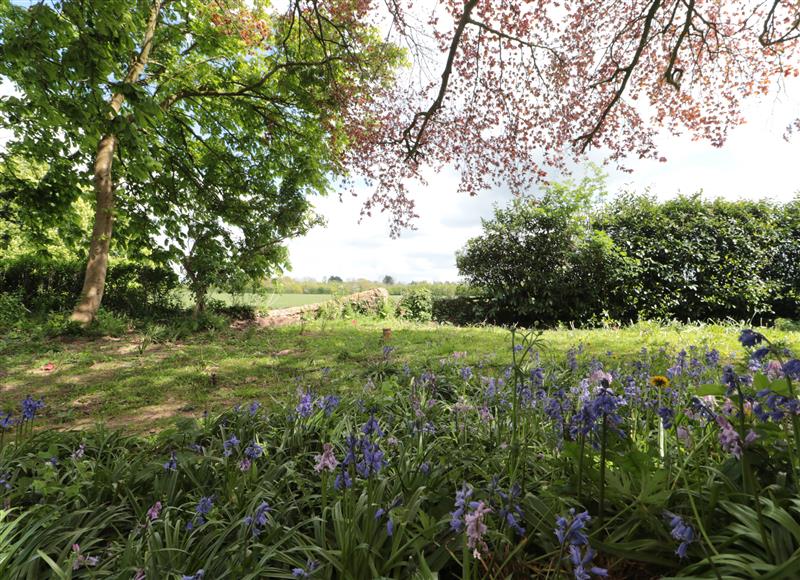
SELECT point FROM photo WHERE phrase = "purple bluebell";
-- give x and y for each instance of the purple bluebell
(229, 445)
(466, 373)
(328, 404)
(6, 422)
(254, 406)
(254, 450)
(571, 531)
(305, 406)
(343, 479)
(582, 563)
(749, 338)
(258, 520)
(372, 427)
(680, 531)
(172, 462)
(457, 516)
(667, 416)
(199, 575)
(425, 468)
(712, 357)
(306, 572)
(4, 480)
(30, 407)
(791, 369)
(373, 459)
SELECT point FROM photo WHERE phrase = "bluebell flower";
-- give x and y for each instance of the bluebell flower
(30, 406)
(372, 426)
(328, 404)
(306, 572)
(4, 480)
(229, 445)
(254, 450)
(425, 468)
(387, 350)
(305, 406)
(204, 507)
(582, 563)
(372, 461)
(750, 338)
(254, 406)
(571, 531)
(172, 463)
(199, 575)
(680, 531)
(712, 357)
(343, 480)
(466, 373)
(6, 422)
(259, 519)
(457, 516)
(791, 369)
(667, 416)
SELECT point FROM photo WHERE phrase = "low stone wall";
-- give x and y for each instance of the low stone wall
(284, 316)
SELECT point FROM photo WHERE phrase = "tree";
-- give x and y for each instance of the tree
(129, 92)
(388, 280)
(540, 261)
(335, 279)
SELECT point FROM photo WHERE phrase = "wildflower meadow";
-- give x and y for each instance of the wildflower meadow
(668, 464)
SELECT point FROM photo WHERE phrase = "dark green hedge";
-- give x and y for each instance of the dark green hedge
(47, 284)
(555, 259)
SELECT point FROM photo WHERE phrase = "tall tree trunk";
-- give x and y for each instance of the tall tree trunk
(95, 278)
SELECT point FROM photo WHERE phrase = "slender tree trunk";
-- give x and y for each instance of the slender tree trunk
(95, 278)
(97, 265)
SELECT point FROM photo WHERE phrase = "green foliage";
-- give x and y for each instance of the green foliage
(50, 284)
(238, 117)
(416, 304)
(568, 258)
(541, 261)
(507, 428)
(696, 259)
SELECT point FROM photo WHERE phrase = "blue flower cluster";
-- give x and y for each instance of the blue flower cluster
(571, 534)
(258, 520)
(680, 531)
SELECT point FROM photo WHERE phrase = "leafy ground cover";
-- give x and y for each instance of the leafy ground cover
(569, 455)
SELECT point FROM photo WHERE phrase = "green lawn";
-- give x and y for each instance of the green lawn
(110, 379)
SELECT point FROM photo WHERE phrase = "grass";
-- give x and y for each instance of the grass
(142, 387)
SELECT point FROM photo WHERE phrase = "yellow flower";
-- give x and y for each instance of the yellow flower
(659, 381)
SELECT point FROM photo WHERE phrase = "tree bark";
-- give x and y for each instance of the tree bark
(96, 267)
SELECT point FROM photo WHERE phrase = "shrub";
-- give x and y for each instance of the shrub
(694, 259)
(540, 260)
(48, 285)
(416, 304)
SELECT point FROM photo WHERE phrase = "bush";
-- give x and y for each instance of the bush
(563, 258)
(540, 260)
(416, 304)
(694, 259)
(461, 310)
(49, 285)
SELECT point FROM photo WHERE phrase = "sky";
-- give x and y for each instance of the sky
(756, 162)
